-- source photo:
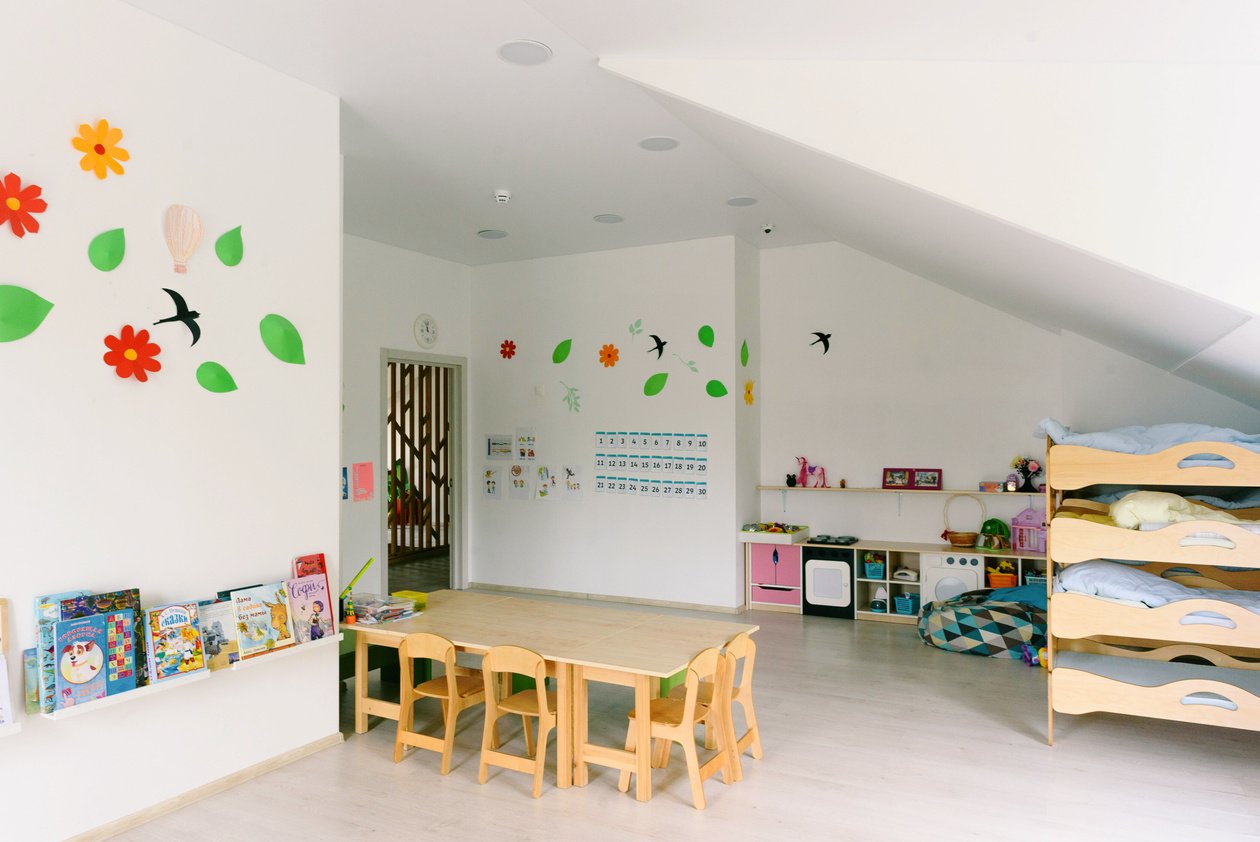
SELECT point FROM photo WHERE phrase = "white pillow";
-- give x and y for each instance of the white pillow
(1119, 581)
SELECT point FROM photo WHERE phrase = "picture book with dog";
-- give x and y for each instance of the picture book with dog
(47, 613)
(311, 607)
(172, 637)
(263, 623)
(80, 650)
(218, 634)
(85, 605)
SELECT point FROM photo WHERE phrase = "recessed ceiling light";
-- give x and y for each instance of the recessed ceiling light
(609, 218)
(658, 144)
(741, 201)
(524, 52)
(491, 234)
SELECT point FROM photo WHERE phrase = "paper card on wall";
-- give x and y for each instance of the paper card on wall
(546, 486)
(526, 444)
(518, 482)
(345, 483)
(492, 482)
(601, 484)
(364, 481)
(645, 488)
(572, 485)
(499, 447)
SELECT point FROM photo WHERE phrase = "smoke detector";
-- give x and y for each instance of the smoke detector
(503, 196)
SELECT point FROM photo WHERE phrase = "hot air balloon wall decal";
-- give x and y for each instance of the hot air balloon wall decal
(183, 234)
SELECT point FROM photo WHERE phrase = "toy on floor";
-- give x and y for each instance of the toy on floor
(1029, 655)
(810, 476)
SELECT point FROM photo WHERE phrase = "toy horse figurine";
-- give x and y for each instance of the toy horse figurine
(811, 476)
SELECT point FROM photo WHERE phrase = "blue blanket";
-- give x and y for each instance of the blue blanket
(1149, 439)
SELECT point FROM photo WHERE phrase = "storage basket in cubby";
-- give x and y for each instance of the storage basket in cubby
(1034, 579)
(1003, 580)
(906, 603)
(874, 569)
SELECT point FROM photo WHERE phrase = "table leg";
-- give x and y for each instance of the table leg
(564, 726)
(581, 773)
(360, 683)
(643, 740)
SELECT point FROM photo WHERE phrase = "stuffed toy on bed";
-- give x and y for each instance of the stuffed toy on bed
(1132, 510)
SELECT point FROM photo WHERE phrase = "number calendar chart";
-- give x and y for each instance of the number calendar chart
(658, 465)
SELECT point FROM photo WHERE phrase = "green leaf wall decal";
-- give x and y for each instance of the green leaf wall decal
(655, 383)
(282, 339)
(107, 249)
(229, 247)
(743, 354)
(715, 389)
(562, 351)
(21, 312)
(705, 335)
(215, 378)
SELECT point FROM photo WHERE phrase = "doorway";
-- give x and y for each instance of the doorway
(421, 461)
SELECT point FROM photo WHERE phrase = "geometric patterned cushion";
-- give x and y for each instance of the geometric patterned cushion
(993, 629)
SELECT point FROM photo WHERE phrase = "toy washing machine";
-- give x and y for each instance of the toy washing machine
(947, 575)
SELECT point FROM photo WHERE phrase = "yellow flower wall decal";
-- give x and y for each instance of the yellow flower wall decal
(748, 393)
(101, 152)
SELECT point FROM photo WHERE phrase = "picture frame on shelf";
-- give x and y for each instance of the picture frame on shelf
(897, 478)
(926, 479)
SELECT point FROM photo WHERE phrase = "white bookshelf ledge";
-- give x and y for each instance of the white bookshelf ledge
(129, 696)
(10, 729)
(296, 649)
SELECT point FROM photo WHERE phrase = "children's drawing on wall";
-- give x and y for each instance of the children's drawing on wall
(182, 314)
(572, 397)
(492, 482)
(518, 479)
(182, 228)
(526, 444)
(571, 488)
(101, 152)
(499, 447)
(364, 481)
(658, 345)
(21, 312)
(824, 339)
(546, 484)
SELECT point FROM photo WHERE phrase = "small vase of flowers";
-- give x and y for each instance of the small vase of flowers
(1027, 468)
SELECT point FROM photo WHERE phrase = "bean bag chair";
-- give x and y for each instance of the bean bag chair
(979, 625)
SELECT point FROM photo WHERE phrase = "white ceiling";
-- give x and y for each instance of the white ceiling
(434, 122)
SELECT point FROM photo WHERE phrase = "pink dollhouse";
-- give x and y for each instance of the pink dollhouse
(1028, 531)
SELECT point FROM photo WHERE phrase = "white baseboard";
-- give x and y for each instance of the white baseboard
(629, 600)
(170, 805)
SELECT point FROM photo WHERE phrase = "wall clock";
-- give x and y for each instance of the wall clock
(426, 330)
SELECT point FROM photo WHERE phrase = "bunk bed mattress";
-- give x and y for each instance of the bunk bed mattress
(1087, 683)
(1140, 440)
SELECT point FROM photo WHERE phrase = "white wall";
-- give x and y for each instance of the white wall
(1104, 389)
(164, 486)
(917, 377)
(607, 544)
(385, 289)
(747, 286)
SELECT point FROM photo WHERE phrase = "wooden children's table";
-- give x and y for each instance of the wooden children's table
(584, 642)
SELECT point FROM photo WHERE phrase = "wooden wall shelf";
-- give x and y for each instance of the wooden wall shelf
(904, 491)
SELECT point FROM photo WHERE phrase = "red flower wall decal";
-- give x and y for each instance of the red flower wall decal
(508, 349)
(17, 203)
(132, 354)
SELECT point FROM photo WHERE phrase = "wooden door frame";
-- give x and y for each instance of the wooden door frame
(459, 496)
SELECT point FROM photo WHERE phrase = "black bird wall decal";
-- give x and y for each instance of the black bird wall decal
(182, 314)
(824, 338)
(659, 348)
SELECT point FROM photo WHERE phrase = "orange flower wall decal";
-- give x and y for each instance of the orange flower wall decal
(609, 355)
(17, 203)
(132, 354)
(101, 152)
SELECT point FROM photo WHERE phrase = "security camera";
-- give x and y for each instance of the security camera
(768, 228)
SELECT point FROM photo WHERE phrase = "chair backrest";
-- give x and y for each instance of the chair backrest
(743, 648)
(434, 647)
(519, 660)
(714, 663)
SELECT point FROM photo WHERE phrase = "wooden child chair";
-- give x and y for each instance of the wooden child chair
(458, 689)
(674, 720)
(744, 649)
(498, 665)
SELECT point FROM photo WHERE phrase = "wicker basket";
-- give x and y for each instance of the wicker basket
(963, 540)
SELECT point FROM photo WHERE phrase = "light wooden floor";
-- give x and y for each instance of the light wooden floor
(869, 735)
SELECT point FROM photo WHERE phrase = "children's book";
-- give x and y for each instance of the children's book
(311, 607)
(218, 634)
(104, 603)
(122, 667)
(309, 565)
(30, 672)
(47, 613)
(263, 623)
(80, 649)
(172, 636)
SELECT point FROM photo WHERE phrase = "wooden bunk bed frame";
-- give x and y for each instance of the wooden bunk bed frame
(1096, 627)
